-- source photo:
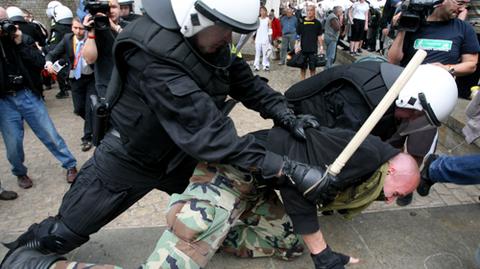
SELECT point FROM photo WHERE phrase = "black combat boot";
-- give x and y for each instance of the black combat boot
(27, 258)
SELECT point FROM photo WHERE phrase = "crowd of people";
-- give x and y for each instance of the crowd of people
(34, 57)
(163, 80)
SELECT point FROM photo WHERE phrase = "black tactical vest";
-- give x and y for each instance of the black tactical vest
(344, 96)
(171, 47)
(141, 133)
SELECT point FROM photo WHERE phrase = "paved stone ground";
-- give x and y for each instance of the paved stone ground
(44, 198)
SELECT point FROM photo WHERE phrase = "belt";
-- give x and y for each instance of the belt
(289, 33)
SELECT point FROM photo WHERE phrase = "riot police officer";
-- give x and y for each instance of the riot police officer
(176, 70)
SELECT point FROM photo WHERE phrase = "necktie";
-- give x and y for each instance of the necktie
(77, 73)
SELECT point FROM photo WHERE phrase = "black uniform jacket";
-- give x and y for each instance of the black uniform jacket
(322, 147)
(63, 49)
(166, 113)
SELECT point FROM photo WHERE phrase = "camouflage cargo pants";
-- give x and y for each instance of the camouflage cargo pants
(221, 208)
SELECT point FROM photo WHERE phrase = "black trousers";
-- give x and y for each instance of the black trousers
(98, 196)
(82, 105)
(63, 80)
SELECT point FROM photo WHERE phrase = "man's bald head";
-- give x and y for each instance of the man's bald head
(3, 14)
(403, 177)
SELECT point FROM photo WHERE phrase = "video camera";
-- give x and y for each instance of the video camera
(98, 6)
(415, 13)
(8, 27)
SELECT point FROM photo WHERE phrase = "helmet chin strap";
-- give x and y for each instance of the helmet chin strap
(428, 110)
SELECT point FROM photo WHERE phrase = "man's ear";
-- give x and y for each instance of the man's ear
(391, 170)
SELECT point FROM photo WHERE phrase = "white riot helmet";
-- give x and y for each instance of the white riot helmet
(15, 14)
(432, 90)
(50, 7)
(62, 15)
(125, 2)
(192, 16)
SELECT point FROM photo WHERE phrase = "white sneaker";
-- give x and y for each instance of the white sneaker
(266, 68)
(256, 69)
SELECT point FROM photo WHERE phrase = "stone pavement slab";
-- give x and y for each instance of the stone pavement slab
(429, 238)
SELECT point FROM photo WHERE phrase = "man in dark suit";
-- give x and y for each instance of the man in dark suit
(81, 76)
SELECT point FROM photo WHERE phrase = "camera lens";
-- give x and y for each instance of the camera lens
(8, 27)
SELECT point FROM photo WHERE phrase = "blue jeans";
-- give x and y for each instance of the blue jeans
(27, 106)
(331, 51)
(288, 43)
(462, 170)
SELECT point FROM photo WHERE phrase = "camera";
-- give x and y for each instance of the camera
(97, 6)
(15, 80)
(8, 27)
(415, 13)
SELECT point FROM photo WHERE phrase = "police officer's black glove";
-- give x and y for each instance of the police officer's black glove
(296, 124)
(27, 258)
(328, 259)
(314, 183)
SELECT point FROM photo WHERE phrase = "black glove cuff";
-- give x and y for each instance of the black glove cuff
(285, 119)
(272, 165)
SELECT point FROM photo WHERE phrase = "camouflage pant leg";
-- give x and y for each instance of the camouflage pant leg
(199, 219)
(81, 265)
(265, 230)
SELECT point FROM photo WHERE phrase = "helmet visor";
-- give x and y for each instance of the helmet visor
(219, 18)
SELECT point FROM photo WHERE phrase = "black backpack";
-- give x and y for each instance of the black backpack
(344, 96)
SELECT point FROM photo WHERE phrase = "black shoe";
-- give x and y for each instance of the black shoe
(8, 195)
(86, 145)
(405, 200)
(24, 181)
(71, 174)
(61, 95)
(426, 184)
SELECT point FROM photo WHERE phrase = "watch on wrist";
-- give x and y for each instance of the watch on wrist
(451, 70)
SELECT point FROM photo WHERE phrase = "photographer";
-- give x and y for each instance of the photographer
(450, 43)
(20, 88)
(104, 26)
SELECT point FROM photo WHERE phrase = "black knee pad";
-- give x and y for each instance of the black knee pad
(60, 239)
(51, 235)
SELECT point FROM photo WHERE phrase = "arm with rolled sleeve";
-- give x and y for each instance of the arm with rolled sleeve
(197, 126)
